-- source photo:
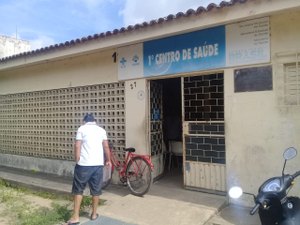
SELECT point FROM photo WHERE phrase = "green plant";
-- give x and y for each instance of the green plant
(23, 212)
(86, 202)
(45, 216)
(62, 210)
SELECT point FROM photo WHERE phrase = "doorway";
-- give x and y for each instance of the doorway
(168, 93)
(194, 133)
(172, 124)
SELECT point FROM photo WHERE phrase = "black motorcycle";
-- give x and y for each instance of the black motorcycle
(272, 202)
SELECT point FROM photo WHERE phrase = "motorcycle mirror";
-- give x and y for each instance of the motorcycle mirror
(235, 192)
(289, 153)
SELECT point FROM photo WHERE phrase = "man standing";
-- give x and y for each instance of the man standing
(90, 142)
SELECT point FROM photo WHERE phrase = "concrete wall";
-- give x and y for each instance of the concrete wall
(137, 121)
(257, 128)
(94, 68)
(58, 167)
(136, 109)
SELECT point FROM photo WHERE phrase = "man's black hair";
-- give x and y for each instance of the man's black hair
(89, 118)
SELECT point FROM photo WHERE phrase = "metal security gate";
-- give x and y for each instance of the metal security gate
(204, 134)
(156, 131)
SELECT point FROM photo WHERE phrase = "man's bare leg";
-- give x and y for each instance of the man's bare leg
(76, 209)
(95, 202)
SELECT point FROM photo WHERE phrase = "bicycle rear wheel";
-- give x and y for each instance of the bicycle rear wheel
(139, 176)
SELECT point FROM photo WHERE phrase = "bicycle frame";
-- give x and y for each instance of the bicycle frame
(135, 171)
(129, 156)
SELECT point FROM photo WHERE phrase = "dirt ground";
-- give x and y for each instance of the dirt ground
(7, 207)
(4, 219)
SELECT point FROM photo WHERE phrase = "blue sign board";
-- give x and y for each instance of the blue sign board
(199, 50)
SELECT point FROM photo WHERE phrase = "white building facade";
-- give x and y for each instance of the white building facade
(12, 46)
(221, 81)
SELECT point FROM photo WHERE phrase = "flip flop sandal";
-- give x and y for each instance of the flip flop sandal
(97, 216)
(72, 223)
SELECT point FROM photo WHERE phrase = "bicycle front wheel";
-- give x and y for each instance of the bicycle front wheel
(139, 176)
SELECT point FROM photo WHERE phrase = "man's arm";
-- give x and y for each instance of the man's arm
(77, 150)
(106, 152)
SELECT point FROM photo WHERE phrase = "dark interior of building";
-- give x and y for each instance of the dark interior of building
(172, 121)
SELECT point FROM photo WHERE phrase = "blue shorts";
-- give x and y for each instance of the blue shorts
(91, 175)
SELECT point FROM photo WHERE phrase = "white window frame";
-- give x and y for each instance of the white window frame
(287, 77)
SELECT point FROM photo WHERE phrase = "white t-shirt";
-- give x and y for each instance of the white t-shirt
(91, 137)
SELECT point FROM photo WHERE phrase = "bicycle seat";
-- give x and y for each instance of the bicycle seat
(129, 149)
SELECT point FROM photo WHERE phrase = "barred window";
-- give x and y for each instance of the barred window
(288, 79)
(292, 83)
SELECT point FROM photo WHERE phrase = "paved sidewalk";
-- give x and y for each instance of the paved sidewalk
(155, 210)
(234, 215)
(107, 221)
(165, 204)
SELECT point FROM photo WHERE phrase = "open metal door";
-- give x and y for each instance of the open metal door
(203, 132)
(155, 126)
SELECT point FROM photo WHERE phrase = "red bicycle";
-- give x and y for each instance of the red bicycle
(135, 171)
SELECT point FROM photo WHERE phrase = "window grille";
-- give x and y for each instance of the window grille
(288, 79)
(43, 123)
